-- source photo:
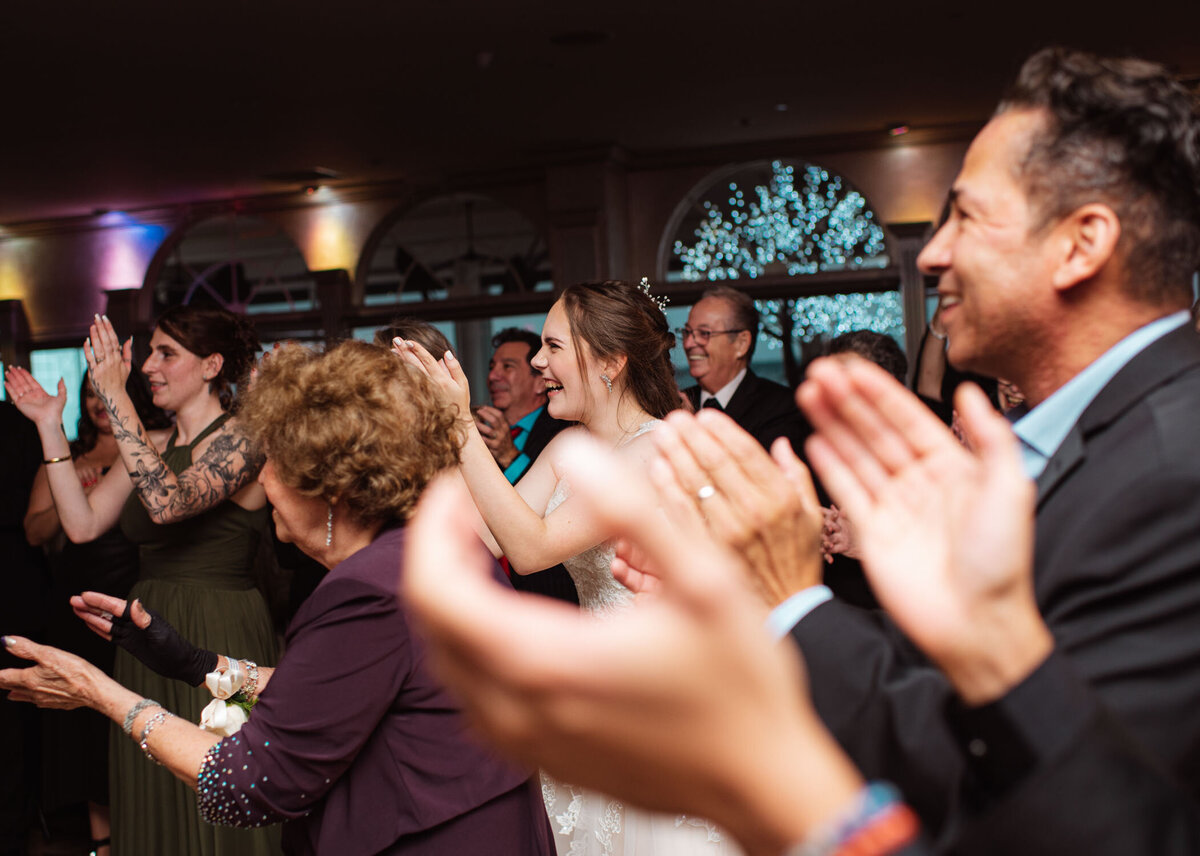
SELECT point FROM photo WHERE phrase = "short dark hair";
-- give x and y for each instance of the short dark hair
(745, 313)
(516, 334)
(1121, 132)
(879, 348)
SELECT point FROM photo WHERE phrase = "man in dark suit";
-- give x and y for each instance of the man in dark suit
(517, 427)
(1066, 267)
(719, 341)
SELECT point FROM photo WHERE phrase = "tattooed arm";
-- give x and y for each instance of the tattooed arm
(228, 464)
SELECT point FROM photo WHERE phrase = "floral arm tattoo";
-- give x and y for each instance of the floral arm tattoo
(228, 464)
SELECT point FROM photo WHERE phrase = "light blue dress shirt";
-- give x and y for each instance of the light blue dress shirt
(1041, 431)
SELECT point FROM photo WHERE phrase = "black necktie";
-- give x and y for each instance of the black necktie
(712, 402)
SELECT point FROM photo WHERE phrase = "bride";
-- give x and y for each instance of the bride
(606, 360)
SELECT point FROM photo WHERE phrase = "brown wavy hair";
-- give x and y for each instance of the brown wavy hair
(616, 318)
(353, 424)
(208, 330)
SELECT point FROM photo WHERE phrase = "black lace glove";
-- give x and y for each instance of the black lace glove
(160, 647)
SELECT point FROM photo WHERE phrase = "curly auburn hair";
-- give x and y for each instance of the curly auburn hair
(353, 425)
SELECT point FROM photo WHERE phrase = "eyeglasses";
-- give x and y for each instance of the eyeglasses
(702, 336)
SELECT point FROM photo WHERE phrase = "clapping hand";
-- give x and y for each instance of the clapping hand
(109, 362)
(34, 402)
(945, 532)
(763, 507)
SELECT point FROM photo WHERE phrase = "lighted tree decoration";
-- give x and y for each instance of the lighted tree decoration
(791, 228)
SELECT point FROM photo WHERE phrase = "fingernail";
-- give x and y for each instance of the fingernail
(9, 641)
(105, 317)
(449, 355)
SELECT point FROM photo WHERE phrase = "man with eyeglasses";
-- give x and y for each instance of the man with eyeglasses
(719, 340)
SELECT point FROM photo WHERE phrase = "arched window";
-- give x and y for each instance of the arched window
(243, 264)
(458, 245)
(770, 225)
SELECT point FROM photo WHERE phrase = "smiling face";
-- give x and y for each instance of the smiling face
(175, 374)
(716, 362)
(513, 385)
(571, 393)
(994, 274)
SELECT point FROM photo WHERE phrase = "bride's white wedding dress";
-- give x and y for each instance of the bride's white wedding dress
(587, 823)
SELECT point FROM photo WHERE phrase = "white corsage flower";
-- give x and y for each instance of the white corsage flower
(223, 684)
(223, 718)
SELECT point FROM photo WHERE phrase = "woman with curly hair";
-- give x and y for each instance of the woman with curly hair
(191, 504)
(350, 740)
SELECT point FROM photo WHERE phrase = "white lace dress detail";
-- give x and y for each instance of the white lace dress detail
(587, 823)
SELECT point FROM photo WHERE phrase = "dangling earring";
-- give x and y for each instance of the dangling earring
(329, 527)
(607, 381)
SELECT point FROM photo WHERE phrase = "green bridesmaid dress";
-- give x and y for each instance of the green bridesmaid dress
(197, 574)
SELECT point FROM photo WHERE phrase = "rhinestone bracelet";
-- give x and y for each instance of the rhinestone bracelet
(150, 726)
(127, 725)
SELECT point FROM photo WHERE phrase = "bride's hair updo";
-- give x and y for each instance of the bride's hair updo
(616, 318)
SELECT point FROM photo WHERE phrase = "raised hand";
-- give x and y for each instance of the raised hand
(34, 402)
(945, 532)
(761, 506)
(447, 375)
(109, 363)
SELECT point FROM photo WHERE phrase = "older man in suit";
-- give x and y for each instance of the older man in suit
(719, 341)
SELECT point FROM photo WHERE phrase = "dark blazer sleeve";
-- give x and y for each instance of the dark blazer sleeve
(883, 701)
(768, 410)
(1051, 772)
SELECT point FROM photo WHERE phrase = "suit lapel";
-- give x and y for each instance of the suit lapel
(1161, 362)
(742, 398)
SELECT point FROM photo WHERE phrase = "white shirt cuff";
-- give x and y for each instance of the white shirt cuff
(789, 613)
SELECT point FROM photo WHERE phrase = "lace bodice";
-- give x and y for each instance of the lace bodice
(599, 592)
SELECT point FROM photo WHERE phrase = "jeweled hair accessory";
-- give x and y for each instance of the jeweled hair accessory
(660, 301)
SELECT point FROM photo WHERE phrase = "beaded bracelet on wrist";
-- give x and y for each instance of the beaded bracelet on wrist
(153, 723)
(250, 688)
(127, 725)
(878, 823)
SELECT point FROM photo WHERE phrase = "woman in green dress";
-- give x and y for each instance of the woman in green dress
(192, 504)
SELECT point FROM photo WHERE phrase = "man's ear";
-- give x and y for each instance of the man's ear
(742, 343)
(1085, 241)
